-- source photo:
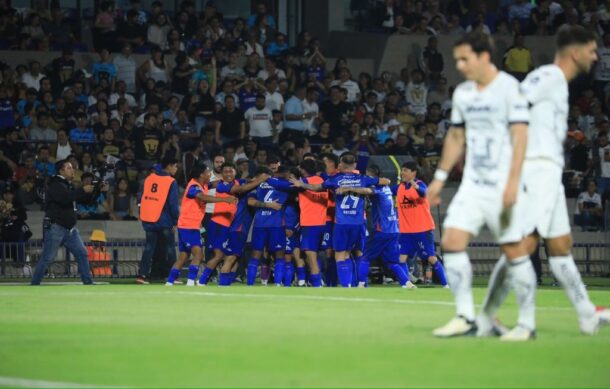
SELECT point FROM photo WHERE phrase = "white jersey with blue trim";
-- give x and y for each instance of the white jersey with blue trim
(546, 90)
(487, 114)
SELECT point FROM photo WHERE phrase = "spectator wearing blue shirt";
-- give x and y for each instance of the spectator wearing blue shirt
(105, 69)
(261, 10)
(81, 133)
(42, 164)
(294, 115)
(7, 115)
(30, 98)
(278, 46)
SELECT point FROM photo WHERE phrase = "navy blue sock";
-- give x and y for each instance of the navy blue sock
(400, 274)
(301, 273)
(440, 272)
(288, 273)
(354, 280)
(173, 274)
(224, 279)
(363, 268)
(252, 269)
(316, 280)
(404, 267)
(232, 276)
(205, 276)
(344, 272)
(193, 270)
(278, 272)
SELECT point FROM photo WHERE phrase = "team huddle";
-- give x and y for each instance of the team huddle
(513, 134)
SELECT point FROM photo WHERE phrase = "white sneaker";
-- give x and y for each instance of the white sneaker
(362, 284)
(264, 282)
(518, 334)
(458, 326)
(169, 284)
(600, 318)
(488, 327)
(409, 285)
(190, 283)
(301, 283)
(201, 285)
(446, 286)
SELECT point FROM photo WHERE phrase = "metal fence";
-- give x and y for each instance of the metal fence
(17, 260)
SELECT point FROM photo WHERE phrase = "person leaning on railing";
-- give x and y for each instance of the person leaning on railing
(59, 226)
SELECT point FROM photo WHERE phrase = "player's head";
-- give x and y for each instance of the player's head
(473, 55)
(373, 171)
(263, 170)
(347, 162)
(218, 161)
(295, 172)
(274, 163)
(170, 165)
(283, 171)
(408, 172)
(228, 171)
(331, 161)
(579, 45)
(308, 167)
(201, 173)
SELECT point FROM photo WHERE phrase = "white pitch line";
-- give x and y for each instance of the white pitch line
(30, 383)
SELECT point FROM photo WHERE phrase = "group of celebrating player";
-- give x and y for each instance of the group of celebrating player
(514, 136)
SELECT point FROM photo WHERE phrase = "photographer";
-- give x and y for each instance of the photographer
(87, 208)
(59, 226)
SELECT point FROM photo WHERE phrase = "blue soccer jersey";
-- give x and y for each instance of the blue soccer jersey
(291, 216)
(243, 217)
(350, 207)
(385, 218)
(275, 189)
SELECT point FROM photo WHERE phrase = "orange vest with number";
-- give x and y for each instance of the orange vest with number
(413, 211)
(99, 260)
(224, 212)
(192, 211)
(313, 205)
(156, 189)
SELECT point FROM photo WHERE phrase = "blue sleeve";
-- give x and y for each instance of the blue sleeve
(193, 190)
(369, 181)
(394, 189)
(293, 107)
(331, 183)
(224, 187)
(174, 208)
(280, 184)
(423, 189)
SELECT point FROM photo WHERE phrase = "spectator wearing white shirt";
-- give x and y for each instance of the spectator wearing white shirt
(416, 93)
(271, 70)
(311, 110)
(227, 90)
(259, 122)
(41, 130)
(126, 68)
(273, 99)
(32, 78)
(599, 156)
(345, 81)
(232, 70)
(121, 93)
(589, 211)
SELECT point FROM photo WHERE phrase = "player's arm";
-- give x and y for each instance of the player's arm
(453, 149)
(359, 191)
(420, 188)
(239, 189)
(312, 187)
(260, 204)
(214, 199)
(519, 140)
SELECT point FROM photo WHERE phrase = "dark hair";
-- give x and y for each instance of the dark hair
(309, 165)
(283, 169)
(197, 170)
(228, 164)
(478, 41)
(60, 164)
(331, 157)
(272, 159)
(411, 165)
(263, 170)
(87, 175)
(165, 162)
(573, 35)
(374, 169)
(348, 158)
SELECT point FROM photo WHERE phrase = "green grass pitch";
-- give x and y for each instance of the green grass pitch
(127, 335)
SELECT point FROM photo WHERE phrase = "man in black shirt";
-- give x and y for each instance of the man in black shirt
(335, 111)
(60, 222)
(230, 123)
(148, 140)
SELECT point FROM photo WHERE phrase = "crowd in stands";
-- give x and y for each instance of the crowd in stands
(237, 88)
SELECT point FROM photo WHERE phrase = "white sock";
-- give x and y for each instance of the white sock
(565, 271)
(498, 288)
(523, 281)
(459, 276)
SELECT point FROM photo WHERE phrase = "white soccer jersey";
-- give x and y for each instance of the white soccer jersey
(487, 115)
(546, 90)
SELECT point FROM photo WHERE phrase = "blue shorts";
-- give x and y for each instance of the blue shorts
(188, 238)
(293, 242)
(217, 236)
(274, 238)
(235, 244)
(419, 244)
(312, 237)
(383, 245)
(348, 237)
(327, 241)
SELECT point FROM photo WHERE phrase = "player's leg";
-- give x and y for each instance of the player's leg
(184, 250)
(563, 267)
(300, 267)
(311, 239)
(390, 254)
(258, 245)
(360, 260)
(344, 239)
(429, 250)
(217, 238)
(196, 260)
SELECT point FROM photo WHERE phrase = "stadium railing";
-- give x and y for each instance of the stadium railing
(17, 260)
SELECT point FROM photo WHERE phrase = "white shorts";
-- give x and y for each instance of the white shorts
(471, 208)
(546, 211)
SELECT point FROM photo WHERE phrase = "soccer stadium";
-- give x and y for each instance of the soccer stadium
(290, 193)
